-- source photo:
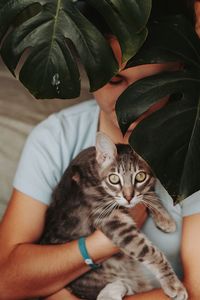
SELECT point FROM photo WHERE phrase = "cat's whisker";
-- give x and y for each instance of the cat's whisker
(147, 203)
(101, 208)
(150, 199)
(150, 206)
(107, 212)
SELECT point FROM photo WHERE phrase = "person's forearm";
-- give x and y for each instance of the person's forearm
(35, 270)
(63, 294)
(38, 270)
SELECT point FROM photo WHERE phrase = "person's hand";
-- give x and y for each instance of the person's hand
(139, 214)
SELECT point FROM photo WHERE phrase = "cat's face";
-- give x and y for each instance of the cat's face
(128, 180)
(124, 175)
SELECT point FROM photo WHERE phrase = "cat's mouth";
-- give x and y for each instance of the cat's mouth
(128, 204)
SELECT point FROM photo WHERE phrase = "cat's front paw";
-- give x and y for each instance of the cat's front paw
(166, 224)
(105, 296)
(174, 288)
(113, 291)
(101, 297)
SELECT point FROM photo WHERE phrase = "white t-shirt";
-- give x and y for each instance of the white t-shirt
(52, 145)
(57, 140)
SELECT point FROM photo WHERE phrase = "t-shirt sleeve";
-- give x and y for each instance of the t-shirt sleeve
(39, 168)
(191, 204)
(51, 146)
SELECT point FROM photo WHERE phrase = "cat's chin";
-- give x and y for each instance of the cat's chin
(130, 205)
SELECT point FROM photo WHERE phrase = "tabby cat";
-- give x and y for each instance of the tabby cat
(96, 191)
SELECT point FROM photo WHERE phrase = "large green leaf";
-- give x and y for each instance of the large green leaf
(50, 70)
(144, 93)
(171, 145)
(127, 21)
(170, 39)
(169, 138)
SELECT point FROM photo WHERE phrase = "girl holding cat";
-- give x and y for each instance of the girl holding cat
(30, 270)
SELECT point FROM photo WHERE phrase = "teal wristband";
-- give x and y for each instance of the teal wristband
(85, 255)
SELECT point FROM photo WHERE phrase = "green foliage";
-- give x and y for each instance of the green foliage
(57, 31)
(169, 138)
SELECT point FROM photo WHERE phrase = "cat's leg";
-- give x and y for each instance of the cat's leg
(160, 215)
(113, 291)
(122, 230)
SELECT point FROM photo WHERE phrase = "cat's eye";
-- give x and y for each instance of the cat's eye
(141, 176)
(114, 178)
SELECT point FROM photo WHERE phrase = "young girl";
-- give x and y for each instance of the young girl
(30, 270)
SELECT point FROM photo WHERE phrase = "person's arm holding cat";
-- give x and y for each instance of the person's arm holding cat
(28, 269)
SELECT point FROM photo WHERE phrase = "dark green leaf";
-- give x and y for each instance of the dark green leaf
(169, 140)
(127, 21)
(170, 39)
(140, 96)
(51, 70)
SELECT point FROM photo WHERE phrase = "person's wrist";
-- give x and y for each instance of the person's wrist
(100, 247)
(84, 252)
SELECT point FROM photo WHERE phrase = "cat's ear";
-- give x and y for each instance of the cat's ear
(106, 151)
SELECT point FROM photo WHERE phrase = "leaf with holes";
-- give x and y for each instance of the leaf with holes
(168, 139)
(51, 37)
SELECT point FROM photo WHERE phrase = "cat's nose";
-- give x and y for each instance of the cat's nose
(128, 194)
(128, 197)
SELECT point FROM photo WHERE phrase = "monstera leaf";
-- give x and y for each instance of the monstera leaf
(170, 39)
(168, 139)
(51, 37)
